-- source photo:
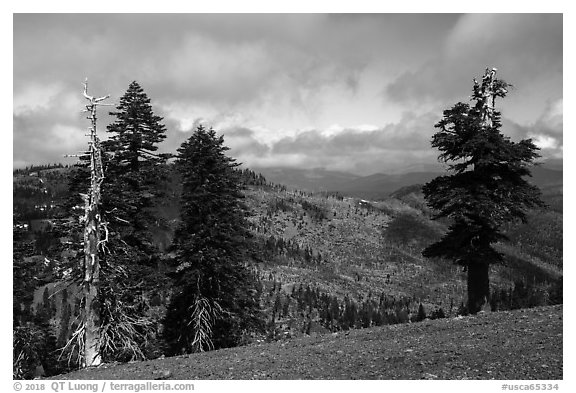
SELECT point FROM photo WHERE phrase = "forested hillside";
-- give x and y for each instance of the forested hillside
(323, 263)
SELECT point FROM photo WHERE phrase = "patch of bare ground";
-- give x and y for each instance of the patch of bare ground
(507, 345)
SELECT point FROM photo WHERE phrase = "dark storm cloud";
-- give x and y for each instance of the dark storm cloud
(546, 132)
(218, 56)
(391, 147)
(520, 46)
(261, 79)
(243, 142)
(411, 133)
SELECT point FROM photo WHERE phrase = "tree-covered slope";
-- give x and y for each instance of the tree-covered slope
(324, 263)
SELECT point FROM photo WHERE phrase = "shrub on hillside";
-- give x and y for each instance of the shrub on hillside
(316, 213)
(34, 351)
(421, 313)
(541, 236)
(527, 295)
(408, 229)
(26, 350)
(278, 204)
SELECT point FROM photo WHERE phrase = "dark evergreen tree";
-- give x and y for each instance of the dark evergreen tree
(64, 334)
(27, 350)
(277, 308)
(486, 189)
(24, 277)
(334, 313)
(135, 174)
(136, 132)
(215, 301)
(286, 307)
(438, 313)
(421, 313)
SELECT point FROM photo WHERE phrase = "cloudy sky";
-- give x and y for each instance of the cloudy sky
(351, 92)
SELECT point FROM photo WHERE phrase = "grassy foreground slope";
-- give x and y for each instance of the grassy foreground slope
(520, 344)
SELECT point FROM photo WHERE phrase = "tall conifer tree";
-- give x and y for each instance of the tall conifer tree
(487, 186)
(135, 171)
(215, 298)
(137, 131)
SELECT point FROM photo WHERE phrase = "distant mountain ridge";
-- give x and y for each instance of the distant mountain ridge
(381, 185)
(316, 179)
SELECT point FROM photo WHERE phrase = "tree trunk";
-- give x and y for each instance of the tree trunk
(92, 224)
(92, 325)
(90, 289)
(478, 280)
(478, 286)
